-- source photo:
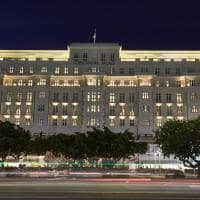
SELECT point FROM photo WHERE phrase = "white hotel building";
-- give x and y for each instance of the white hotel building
(65, 91)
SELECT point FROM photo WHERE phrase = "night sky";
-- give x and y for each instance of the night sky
(135, 24)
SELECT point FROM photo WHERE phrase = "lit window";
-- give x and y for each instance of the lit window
(167, 83)
(178, 83)
(42, 82)
(66, 70)
(112, 97)
(21, 70)
(43, 69)
(193, 97)
(11, 70)
(159, 122)
(93, 69)
(20, 82)
(192, 83)
(76, 70)
(18, 111)
(91, 82)
(29, 97)
(27, 122)
(57, 70)
(42, 95)
(145, 95)
(111, 122)
(158, 111)
(145, 108)
(17, 122)
(74, 122)
(179, 98)
(19, 97)
(30, 70)
(41, 122)
(30, 82)
(194, 109)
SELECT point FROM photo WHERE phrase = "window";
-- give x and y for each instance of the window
(112, 111)
(112, 97)
(29, 97)
(168, 98)
(93, 69)
(158, 98)
(42, 95)
(9, 97)
(64, 122)
(57, 70)
(17, 122)
(178, 71)
(20, 83)
(64, 110)
(146, 123)
(76, 57)
(43, 69)
(11, 70)
(157, 71)
(19, 97)
(75, 97)
(111, 122)
(55, 96)
(55, 110)
(121, 70)
(169, 110)
(21, 70)
(85, 56)
(192, 83)
(42, 82)
(28, 110)
(76, 70)
(122, 111)
(18, 111)
(41, 108)
(131, 98)
(41, 122)
(178, 83)
(179, 98)
(122, 122)
(30, 82)
(92, 82)
(193, 97)
(157, 83)
(145, 108)
(30, 70)
(180, 110)
(122, 98)
(131, 122)
(74, 122)
(158, 111)
(112, 57)
(145, 95)
(65, 70)
(65, 97)
(131, 71)
(194, 109)
(167, 71)
(54, 122)
(167, 83)
(27, 122)
(103, 57)
(159, 122)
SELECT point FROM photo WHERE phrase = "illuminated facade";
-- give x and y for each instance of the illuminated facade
(98, 85)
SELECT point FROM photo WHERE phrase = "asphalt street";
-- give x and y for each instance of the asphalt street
(96, 189)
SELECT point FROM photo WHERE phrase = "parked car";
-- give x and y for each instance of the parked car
(175, 174)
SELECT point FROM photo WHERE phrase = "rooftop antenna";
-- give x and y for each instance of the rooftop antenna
(94, 36)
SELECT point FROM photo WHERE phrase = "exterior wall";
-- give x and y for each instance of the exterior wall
(98, 85)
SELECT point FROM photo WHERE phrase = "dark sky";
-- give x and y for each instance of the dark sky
(135, 24)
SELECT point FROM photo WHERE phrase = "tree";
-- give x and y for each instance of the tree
(14, 140)
(182, 139)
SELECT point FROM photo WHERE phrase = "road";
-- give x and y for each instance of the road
(99, 189)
